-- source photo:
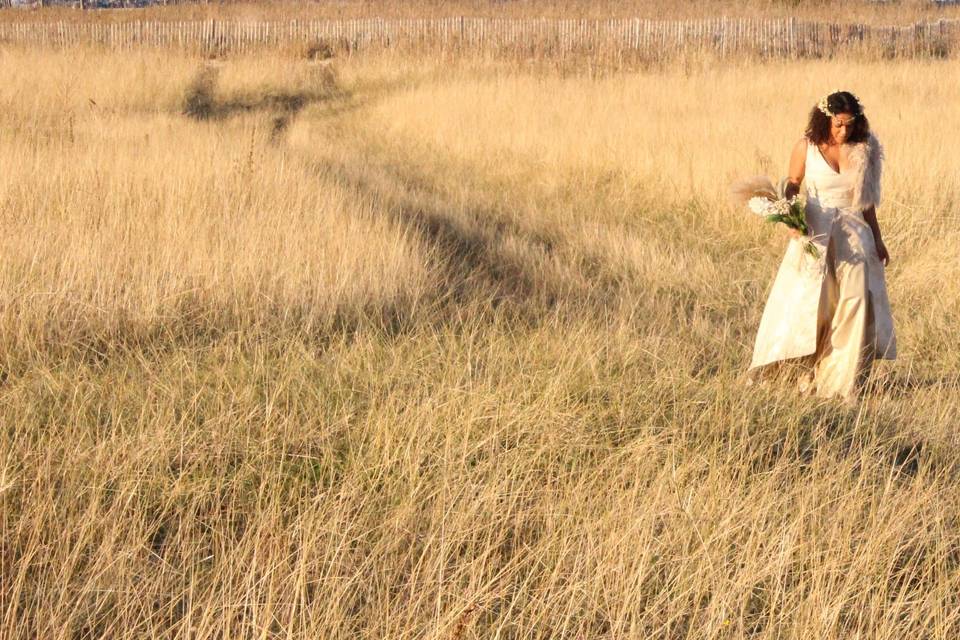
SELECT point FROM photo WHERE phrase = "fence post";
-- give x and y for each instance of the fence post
(723, 36)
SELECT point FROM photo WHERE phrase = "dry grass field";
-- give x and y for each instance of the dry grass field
(402, 348)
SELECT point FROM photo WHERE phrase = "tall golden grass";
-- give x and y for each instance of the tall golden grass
(398, 348)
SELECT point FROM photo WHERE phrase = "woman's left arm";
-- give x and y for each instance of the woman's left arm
(870, 215)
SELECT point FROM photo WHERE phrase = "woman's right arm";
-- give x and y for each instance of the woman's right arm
(798, 161)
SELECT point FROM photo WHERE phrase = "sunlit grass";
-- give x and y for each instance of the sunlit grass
(407, 349)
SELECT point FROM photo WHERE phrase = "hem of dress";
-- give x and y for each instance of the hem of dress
(754, 368)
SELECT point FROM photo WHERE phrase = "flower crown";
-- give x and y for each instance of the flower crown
(824, 105)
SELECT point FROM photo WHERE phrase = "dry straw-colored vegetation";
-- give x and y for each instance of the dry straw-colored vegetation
(394, 348)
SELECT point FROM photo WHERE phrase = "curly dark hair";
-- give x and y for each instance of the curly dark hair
(818, 126)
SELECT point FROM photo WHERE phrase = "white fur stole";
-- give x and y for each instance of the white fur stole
(866, 160)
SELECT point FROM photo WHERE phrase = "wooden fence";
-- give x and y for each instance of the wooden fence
(618, 37)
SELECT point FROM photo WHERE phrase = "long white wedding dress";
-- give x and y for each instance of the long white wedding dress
(830, 313)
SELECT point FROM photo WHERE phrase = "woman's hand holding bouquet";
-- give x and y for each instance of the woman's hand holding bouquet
(772, 204)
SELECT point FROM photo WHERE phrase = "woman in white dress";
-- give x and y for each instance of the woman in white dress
(830, 314)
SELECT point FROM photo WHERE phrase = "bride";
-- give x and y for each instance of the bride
(830, 314)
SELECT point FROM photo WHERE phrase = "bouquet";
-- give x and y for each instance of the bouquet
(771, 203)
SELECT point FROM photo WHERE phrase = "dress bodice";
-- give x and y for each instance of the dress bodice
(826, 188)
(829, 197)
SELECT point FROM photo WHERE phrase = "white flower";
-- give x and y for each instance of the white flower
(758, 205)
(780, 207)
(824, 106)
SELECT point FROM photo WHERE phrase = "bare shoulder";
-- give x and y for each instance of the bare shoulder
(798, 161)
(798, 155)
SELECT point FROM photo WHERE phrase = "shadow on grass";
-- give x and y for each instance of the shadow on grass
(201, 101)
(906, 384)
(483, 256)
(853, 434)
